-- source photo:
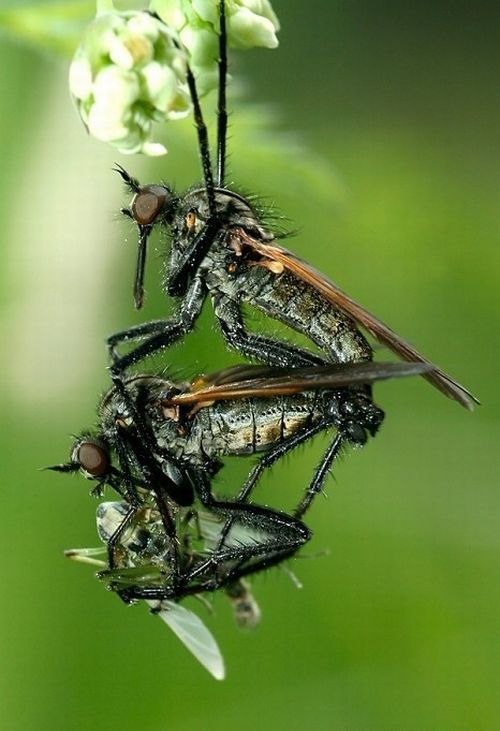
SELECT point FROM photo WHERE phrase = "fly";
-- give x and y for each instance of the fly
(144, 549)
(221, 247)
(187, 429)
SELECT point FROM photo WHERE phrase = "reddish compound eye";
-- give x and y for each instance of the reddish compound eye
(149, 202)
(92, 458)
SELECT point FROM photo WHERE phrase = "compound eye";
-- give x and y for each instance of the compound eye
(149, 202)
(92, 458)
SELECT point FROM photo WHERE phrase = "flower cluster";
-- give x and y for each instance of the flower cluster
(127, 73)
(130, 69)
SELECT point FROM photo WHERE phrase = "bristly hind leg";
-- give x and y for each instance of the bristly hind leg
(284, 536)
(354, 421)
(267, 350)
(221, 569)
(277, 452)
(225, 574)
(285, 533)
(320, 474)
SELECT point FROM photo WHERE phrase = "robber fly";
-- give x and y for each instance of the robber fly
(221, 247)
(186, 429)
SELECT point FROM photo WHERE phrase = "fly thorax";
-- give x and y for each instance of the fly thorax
(177, 437)
(140, 393)
(194, 211)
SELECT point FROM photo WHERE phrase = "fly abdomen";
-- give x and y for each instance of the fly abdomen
(286, 298)
(253, 425)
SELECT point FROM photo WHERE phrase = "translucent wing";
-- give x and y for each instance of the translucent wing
(269, 381)
(284, 259)
(194, 635)
(235, 374)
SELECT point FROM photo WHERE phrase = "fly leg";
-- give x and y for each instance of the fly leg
(320, 474)
(130, 493)
(354, 419)
(135, 504)
(239, 570)
(264, 463)
(223, 574)
(160, 333)
(221, 102)
(344, 415)
(220, 569)
(268, 350)
(284, 533)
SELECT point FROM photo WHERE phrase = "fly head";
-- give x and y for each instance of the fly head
(151, 205)
(91, 456)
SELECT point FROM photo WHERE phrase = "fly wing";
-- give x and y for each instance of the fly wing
(194, 635)
(234, 374)
(283, 382)
(381, 332)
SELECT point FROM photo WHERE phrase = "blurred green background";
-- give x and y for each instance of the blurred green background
(379, 138)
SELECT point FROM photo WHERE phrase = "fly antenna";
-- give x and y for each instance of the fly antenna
(221, 103)
(201, 129)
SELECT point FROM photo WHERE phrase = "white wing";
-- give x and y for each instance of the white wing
(194, 635)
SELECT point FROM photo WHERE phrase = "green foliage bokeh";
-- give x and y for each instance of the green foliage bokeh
(396, 626)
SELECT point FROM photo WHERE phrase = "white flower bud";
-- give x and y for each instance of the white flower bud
(106, 124)
(116, 87)
(250, 23)
(153, 149)
(247, 29)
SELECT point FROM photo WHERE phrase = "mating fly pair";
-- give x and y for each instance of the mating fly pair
(159, 445)
(221, 247)
(168, 537)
